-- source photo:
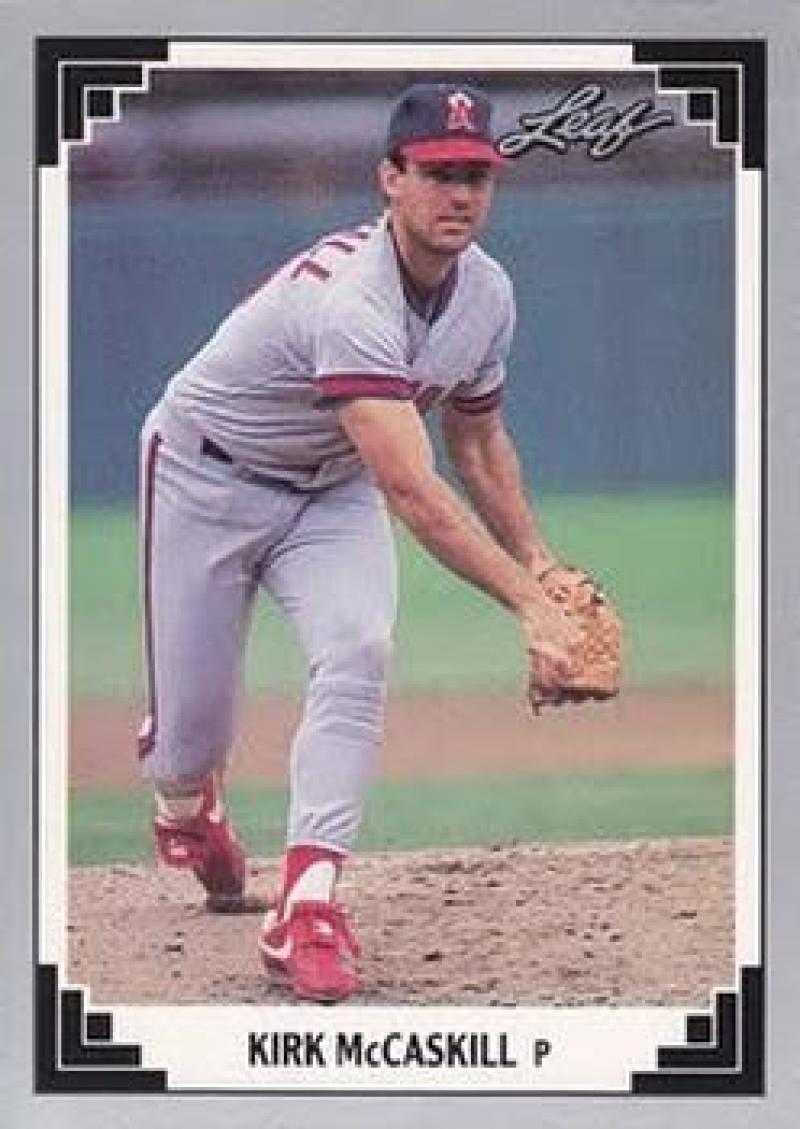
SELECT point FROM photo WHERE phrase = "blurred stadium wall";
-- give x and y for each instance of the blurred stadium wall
(622, 370)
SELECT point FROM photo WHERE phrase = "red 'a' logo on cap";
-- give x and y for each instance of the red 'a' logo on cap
(460, 110)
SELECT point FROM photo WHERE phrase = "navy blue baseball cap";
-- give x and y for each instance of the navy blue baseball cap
(442, 121)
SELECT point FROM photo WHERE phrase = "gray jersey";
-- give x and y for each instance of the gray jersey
(340, 321)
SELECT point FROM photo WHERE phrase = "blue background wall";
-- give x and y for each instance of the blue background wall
(622, 370)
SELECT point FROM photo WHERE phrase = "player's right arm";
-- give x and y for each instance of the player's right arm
(393, 443)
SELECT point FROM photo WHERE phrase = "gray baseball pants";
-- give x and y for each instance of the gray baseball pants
(210, 540)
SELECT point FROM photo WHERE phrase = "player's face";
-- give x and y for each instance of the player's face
(442, 205)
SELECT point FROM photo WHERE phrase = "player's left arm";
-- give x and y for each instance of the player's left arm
(484, 457)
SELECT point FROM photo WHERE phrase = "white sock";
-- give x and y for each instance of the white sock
(182, 799)
(178, 807)
(315, 884)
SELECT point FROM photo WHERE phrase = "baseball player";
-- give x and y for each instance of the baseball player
(271, 464)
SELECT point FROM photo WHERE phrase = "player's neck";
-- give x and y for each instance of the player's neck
(427, 269)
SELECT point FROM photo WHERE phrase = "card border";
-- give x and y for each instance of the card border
(739, 1018)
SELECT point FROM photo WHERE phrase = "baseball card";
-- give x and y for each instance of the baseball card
(400, 603)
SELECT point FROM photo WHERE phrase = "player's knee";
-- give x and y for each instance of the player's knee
(360, 651)
(367, 656)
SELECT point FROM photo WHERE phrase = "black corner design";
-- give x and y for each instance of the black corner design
(726, 82)
(724, 1055)
(701, 106)
(100, 103)
(74, 1049)
(73, 77)
(698, 1029)
(708, 82)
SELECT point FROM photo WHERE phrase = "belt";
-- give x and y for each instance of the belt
(214, 451)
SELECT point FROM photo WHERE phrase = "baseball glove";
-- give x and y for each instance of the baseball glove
(597, 658)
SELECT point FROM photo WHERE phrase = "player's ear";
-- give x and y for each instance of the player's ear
(389, 175)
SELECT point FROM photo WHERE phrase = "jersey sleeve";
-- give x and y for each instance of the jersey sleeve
(484, 390)
(359, 350)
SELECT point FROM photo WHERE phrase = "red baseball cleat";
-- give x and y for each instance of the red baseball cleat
(313, 948)
(207, 845)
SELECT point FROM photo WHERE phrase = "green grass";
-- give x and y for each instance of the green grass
(454, 811)
(668, 562)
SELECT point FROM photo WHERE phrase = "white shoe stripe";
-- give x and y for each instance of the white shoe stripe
(283, 953)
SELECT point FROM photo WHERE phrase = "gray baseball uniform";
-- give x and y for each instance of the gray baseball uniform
(249, 481)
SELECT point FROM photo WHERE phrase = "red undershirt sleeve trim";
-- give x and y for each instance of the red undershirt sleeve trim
(345, 387)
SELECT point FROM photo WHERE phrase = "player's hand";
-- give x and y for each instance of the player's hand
(547, 628)
(550, 632)
(552, 639)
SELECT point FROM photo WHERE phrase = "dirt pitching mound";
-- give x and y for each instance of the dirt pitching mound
(615, 924)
